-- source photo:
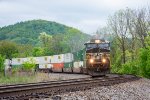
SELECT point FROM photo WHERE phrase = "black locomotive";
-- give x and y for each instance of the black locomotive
(97, 57)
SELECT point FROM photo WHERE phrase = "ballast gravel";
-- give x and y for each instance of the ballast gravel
(135, 90)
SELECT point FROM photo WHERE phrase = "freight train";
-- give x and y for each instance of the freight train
(94, 60)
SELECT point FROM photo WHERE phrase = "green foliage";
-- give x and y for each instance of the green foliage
(39, 38)
(8, 49)
(24, 50)
(29, 65)
(145, 62)
(45, 39)
(2, 60)
(130, 68)
(28, 32)
(38, 51)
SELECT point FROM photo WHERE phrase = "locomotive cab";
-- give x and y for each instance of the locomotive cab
(97, 57)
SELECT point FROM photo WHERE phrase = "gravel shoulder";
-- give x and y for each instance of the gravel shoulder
(135, 90)
(58, 76)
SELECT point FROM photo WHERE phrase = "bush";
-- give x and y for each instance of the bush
(2, 60)
(130, 68)
(29, 65)
(145, 62)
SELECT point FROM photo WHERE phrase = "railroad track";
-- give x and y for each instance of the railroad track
(47, 89)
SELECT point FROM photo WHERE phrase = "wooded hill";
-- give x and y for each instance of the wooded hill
(28, 32)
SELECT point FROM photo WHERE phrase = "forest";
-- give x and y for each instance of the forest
(128, 30)
(40, 38)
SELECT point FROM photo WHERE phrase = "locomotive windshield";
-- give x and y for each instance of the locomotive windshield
(94, 47)
(101, 46)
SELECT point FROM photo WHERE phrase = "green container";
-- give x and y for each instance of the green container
(79, 55)
(68, 65)
(16, 66)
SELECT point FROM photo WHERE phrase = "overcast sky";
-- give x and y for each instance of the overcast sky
(86, 15)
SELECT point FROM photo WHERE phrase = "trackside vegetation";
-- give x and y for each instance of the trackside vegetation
(129, 33)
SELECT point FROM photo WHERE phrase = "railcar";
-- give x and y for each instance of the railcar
(97, 57)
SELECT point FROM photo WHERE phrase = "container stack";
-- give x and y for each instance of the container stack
(68, 62)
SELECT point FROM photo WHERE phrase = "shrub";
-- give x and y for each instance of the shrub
(145, 62)
(130, 68)
(29, 65)
(2, 60)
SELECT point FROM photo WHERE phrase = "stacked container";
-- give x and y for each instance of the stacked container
(43, 60)
(78, 66)
(58, 62)
(68, 62)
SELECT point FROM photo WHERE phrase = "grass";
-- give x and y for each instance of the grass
(16, 79)
(20, 78)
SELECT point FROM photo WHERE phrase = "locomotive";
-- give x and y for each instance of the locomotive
(97, 57)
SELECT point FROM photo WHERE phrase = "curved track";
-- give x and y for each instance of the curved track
(47, 89)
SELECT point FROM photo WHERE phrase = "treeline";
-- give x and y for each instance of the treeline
(39, 38)
(49, 45)
(130, 45)
(28, 32)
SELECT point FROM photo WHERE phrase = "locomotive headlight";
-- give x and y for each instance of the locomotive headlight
(104, 60)
(91, 60)
(97, 41)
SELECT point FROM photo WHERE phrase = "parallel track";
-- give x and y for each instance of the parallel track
(33, 90)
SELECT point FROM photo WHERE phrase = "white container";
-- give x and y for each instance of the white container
(68, 57)
(57, 58)
(24, 60)
(78, 64)
(29, 59)
(43, 60)
(16, 61)
(45, 66)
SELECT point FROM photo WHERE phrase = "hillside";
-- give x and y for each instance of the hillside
(28, 32)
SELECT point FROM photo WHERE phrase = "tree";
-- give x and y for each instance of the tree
(24, 50)
(45, 39)
(38, 51)
(2, 60)
(141, 25)
(118, 24)
(8, 49)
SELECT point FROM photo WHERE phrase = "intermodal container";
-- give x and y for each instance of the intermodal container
(43, 60)
(57, 58)
(78, 64)
(57, 67)
(16, 61)
(30, 59)
(45, 66)
(68, 67)
(79, 55)
(68, 57)
(16, 66)
(78, 67)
